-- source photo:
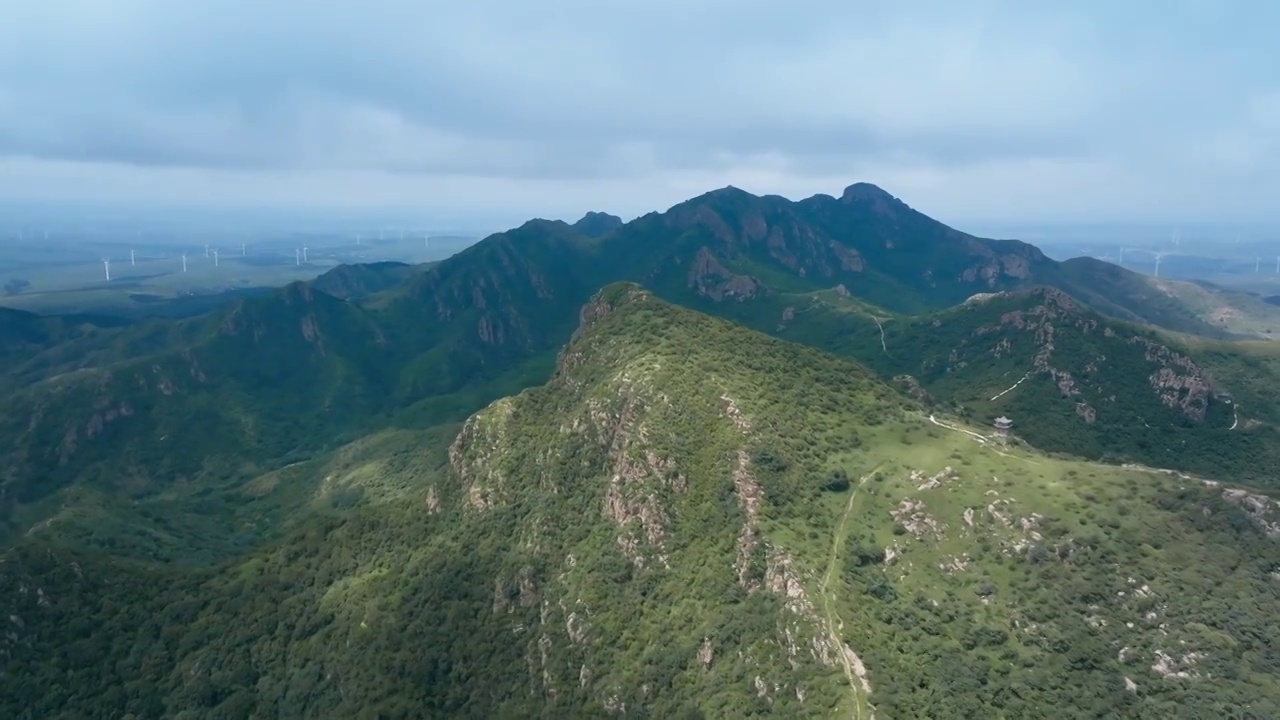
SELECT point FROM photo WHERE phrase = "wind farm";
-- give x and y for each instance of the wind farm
(132, 272)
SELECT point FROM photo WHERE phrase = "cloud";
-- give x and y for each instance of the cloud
(961, 102)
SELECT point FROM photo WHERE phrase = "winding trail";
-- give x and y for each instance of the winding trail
(982, 440)
(854, 670)
(883, 346)
(1000, 394)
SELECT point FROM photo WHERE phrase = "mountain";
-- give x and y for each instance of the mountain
(1126, 295)
(689, 519)
(596, 224)
(1072, 379)
(274, 379)
(214, 396)
(356, 282)
(165, 407)
(1241, 313)
(22, 332)
(732, 243)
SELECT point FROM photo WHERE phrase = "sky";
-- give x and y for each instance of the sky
(988, 110)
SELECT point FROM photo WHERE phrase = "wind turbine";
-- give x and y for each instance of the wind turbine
(131, 261)
(215, 257)
(304, 253)
(297, 256)
(426, 240)
(357, 239)
(1256, 263)
(1121, 256)
(206, 251)
(242, 249)
(184, 262)
(106, 268)
(1158, 257)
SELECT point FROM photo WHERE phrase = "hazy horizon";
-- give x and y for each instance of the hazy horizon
(106, 219)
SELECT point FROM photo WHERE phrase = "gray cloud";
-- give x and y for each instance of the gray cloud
(1127, 103)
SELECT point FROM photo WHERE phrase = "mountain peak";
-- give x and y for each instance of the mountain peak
(728, 192)
(605, 302)
(596, 224)
(609, 298)
(1046, 296)
(866, 192)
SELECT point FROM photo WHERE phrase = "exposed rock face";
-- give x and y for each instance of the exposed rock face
(912, 515)
(824, 237)
(1178, 382)
(614, 434)
(1086, 412)
(749, 495)
(881, 202)
(1179, 668)
(934, 481)
(1262, 510)
(992, 267)
(596, 224)
(475, 455)
(711, 279)
(849, 258)
(911, 386)
(706, 653)
(599, 306)
(628, 473)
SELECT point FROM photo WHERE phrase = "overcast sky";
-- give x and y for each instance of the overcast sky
(982, 110)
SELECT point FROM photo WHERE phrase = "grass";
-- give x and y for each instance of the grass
(856, 675)
(582, 544)
(1236, 312)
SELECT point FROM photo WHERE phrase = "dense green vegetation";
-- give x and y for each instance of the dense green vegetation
(1073, 381)
(277, 509)
(357, 282)
(689, 518)
(272, 379)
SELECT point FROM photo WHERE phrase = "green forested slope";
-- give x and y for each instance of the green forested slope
(689, 519)
(115, 406)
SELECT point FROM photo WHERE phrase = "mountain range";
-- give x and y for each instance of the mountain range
(519, 494)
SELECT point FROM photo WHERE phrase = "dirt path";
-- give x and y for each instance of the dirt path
(982, 440)
(854, 670)
(883, 346)
(1000, 394)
